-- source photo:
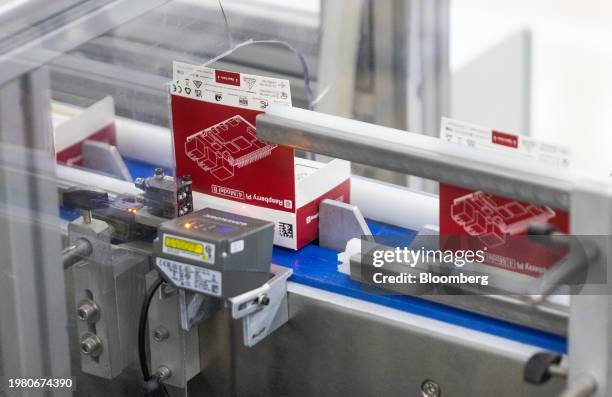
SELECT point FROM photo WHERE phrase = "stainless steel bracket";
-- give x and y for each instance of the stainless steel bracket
(101, 156)
(263, 309)
(338, 223)
(108, 288)
(195, 308)
(174, 316)
(171, 346)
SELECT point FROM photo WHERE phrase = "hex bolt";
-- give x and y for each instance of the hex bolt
(88, 311)
(91, 345)
(160, 333)
(430, 388)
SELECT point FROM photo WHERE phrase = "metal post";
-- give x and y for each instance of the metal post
(590, 320)
(411, 63)
(410, 72)
(390, 35)
(411, 69)
(33, 336)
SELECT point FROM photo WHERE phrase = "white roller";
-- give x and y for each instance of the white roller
(69, 176)
(393, 204)
(145, 142)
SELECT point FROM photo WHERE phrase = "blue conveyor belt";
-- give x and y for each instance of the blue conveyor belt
(317, 267)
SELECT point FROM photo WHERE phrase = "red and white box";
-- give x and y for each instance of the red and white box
(214, 135)
(72, 127)
(494, 221)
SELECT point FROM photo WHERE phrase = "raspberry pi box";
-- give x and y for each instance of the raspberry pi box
(214, 134)
(497, 223)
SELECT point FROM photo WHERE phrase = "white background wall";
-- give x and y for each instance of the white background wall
(571, 91)
(571, 67)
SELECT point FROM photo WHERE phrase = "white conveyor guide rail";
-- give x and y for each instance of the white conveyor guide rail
(377, 200)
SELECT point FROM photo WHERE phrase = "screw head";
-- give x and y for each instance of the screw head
(91, 345)
(88, 311)
(430, 388)
(160, 334)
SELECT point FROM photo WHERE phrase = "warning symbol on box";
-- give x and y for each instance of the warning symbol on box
(250, 82)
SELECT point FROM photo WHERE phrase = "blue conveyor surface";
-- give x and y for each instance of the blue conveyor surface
(317, 267)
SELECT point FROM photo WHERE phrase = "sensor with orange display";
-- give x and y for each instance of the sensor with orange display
(214, 252)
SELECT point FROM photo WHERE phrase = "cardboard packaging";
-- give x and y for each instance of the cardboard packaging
(497, 223)
(214, 135)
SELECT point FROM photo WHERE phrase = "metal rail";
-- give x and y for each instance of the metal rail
(76, 25)
(414, 154)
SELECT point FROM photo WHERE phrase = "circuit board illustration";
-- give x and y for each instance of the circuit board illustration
(493, 218)
(226, 146)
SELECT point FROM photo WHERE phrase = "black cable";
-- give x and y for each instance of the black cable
(142, 329)
(306, 74)
(230, 38)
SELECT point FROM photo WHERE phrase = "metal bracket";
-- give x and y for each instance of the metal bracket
(338, 223)
(101, 156)
(263, 309)
(171, 346)
(195, 308)
(108, 288)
